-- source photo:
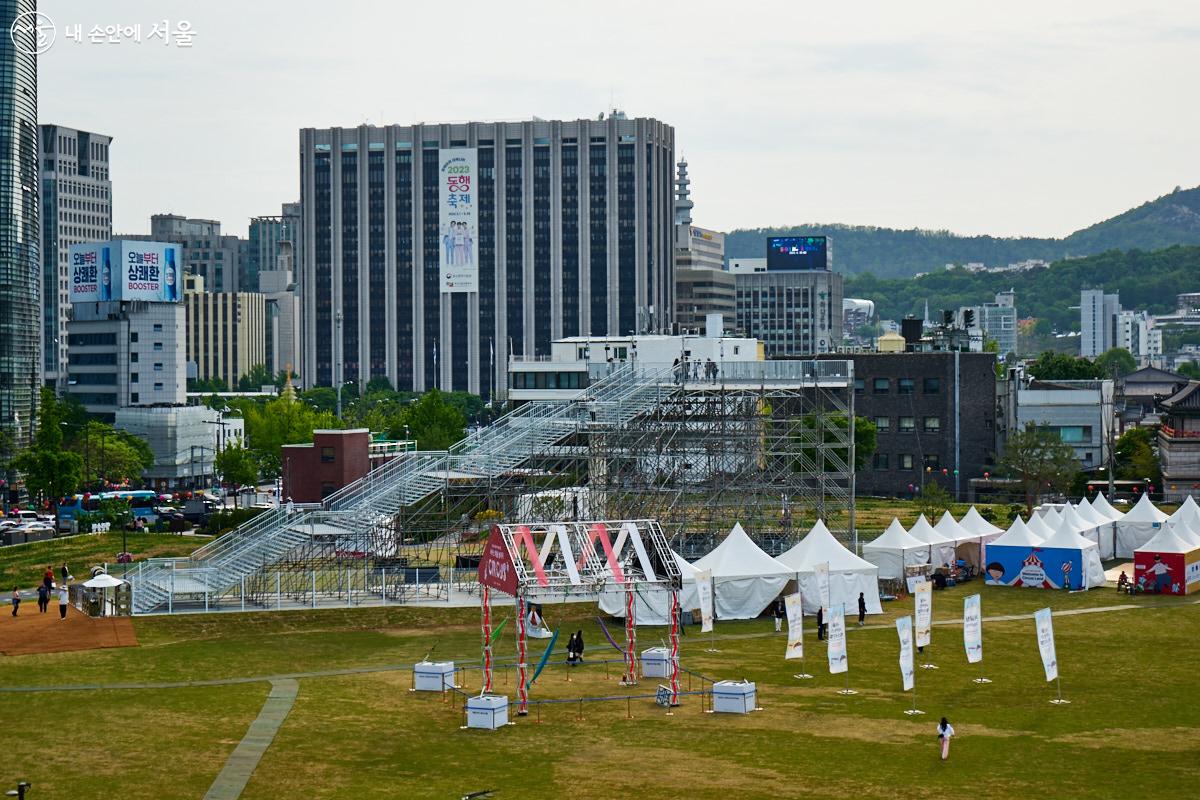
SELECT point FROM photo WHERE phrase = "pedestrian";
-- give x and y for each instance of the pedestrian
(820, 623)
(48, 578)
(43, 598)
(862, 610)
(64, 600)
(16, 600)
(945, 731)
(695, 369)
(779, 611)
(66, 574)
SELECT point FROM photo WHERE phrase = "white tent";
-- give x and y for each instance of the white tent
(1084, 509)
(975, 523)
(745, 579)
(1189, 533)
(895, 549)
(848, 574)
(1187, 513)
(1051, 517)
(652, 606)
(968, 546)
(1018, 535)
(1100, 504)
(1103, 539)
(1038, 526)
(1138, 526)
(941, 549)
(1089, 554)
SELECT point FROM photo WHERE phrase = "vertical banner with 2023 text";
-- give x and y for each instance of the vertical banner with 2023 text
(458, 219)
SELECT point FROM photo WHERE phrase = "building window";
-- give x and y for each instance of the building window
(905, 461)
(158, 367)
(133, 357)
(859, 385)
(881, 385)
(933, 424)
(158, 346)
(907, 424)
(932, 385)
(327, 455)
(879, 461)
(133, 397)
(133, 337)
(133, 377)
(327, 488)
(932, 461)
(904, 386)
(158, 387)
(158, 327)
(883, 423)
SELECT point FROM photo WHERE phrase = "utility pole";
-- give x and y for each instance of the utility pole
(337, 366)
(1111, 423)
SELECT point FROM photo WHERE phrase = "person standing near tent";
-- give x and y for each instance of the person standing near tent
(820, 623)
(16, 600)
(945, 731)
(64, 599)
(571, 650)
(862, 610)
(43, 598)
(779, 612)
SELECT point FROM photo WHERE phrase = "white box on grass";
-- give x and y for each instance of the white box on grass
(656, 662)
(433, 676)
(734, 697)
(487, 711)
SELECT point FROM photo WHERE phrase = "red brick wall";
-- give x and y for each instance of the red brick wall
(308, 475)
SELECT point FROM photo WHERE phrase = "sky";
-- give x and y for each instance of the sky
(1015, 118)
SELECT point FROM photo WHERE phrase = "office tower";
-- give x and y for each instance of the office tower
(207, 252)
(1097, 321)
(76, 208)
(431, 252)
(795, 305)
(20, 263)
(997, 321)
(283, 313)
(263, 245)
(226, 332)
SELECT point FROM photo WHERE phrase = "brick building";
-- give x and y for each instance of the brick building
(312, 472)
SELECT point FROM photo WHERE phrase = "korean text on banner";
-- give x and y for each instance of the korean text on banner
(704, 593)
(837, 641)
(1045, 635)
(458, 219)
(496, 568)
(973, 629)
(822, 573)
(904, 629)
(795, 620)
(924, 614)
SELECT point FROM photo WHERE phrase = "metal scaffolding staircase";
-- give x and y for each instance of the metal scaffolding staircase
(348, 515)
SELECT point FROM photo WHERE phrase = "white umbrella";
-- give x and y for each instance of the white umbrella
(103, 581)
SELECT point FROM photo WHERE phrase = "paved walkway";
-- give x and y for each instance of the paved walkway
(245, 757)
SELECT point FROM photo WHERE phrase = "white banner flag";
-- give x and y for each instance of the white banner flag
(904, 629)
(837, 641)
(972, 629)
(822, 573)
(924, 614)
(704, 593)
(795, 620)
(1045, 634)
(458, 220)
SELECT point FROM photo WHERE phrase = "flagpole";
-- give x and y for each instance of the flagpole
(1059, 701)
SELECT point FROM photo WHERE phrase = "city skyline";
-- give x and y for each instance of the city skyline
(872, 115)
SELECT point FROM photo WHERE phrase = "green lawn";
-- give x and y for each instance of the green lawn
(23, 564)
(1132, 728)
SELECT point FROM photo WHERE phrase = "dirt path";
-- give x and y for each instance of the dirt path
(34, 632)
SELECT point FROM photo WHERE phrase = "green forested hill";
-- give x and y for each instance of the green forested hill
(1145, 280)
(889, 253)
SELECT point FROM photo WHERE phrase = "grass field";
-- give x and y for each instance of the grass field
(23, 564)
(1131, 730)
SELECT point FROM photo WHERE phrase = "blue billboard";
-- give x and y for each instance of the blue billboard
(126, 270)
(797, 253)
(1034, 567)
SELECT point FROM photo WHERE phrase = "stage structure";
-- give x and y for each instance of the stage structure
(769, 444)
(579, 557)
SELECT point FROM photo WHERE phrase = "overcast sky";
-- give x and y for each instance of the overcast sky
(1015, 118)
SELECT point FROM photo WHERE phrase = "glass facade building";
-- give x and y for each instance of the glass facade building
(575, 238)
(20, 262)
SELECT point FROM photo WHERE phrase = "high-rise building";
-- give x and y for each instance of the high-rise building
(794, 306)
(1097, 321)
(76, 208)
(262, 250)
(430, 252)
(20, 262)
(702, 286)
(226, 331)
(283, 313)
(206, 251)
(997, 321)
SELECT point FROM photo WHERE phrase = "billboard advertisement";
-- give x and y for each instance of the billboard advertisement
(126, 270)
(1163, 573)
(91, 272)
(458, 219)
(1034, 567)
(797, 253)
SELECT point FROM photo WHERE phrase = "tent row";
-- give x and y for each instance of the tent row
(943, 544)
(746, 580)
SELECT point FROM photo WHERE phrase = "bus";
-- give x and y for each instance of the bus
(141, 501)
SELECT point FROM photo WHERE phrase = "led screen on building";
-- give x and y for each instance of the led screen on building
(797, 253)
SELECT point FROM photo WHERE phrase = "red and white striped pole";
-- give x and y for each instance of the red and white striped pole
(674, 648)
(630, 678)
(522, 691)
(487, 640)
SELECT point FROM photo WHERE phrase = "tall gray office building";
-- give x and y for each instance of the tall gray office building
(20, 263)
(575, 227)
(76, 208)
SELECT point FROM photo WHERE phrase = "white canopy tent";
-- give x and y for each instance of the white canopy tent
(652, 605)
(1138, 526)
(941, 549)
(1103, 539)
(1189, 533)
(1089, 554)
(1084, 509)
(1101, 504)
(1018, 534)
(1187, 513)
(1038, 526)
(895, 549)
(975, 523)
(745, 579)
(848, 574)
(968, 546)
(1051, 517)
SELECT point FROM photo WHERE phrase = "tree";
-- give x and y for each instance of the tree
(1040, 460)
(1135, 457)
(110, 455)
(933, 500)
(1190, 370)
(379, 383)
(865, 438)
(432, 421)
(213, 384)
(1061, 367)
(50, 470)
(237, 466)
(1117, 358)
(321, 398)
(255, 378)
(284, 420)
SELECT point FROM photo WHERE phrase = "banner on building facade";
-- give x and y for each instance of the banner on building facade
(458, 219)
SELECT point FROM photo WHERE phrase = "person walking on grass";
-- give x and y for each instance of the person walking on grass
(779, 612)
(64, 600)
(43, 598)
(945, 731)
(862, 610)
(820, 623)
(16, 600)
